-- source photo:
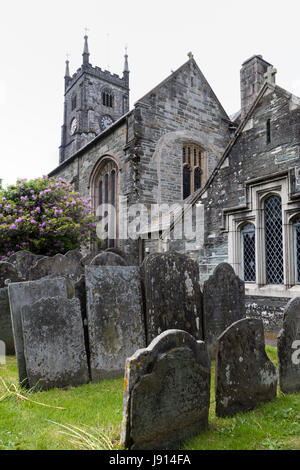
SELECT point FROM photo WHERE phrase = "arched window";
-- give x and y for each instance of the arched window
(248, 253)
(105, 190)
(296, 230)
(273, 240)
(186, 181)
(107, 98)
(74, 102)
(192, 160)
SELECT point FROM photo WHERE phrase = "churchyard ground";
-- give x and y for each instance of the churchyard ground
(96, 408)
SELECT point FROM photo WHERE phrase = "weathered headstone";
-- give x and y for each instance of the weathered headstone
(245, 376)
(119, 252)
(23, 261)
(88, 258)
(26, 293)
(56, 266)
(115, 322)
(54, 343)
(173, 299)
(223, 303)
(6, 332)
(289, 348)
(166, 392)
(75, 255)
(8, 272)
(108, 258)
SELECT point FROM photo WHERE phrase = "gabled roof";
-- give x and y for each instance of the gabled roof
(173, 74)
(198, 194)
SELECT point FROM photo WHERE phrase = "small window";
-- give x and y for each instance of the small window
(248, 253)
(268, 131)
(192, 160)
(74, 102)
(107, 99)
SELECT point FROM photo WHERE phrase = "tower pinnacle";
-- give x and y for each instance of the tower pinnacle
(67, 73)
(126, 68)
(86, 53)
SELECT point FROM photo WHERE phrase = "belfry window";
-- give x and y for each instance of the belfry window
(248, 253)
(192, 173)
(107, 99)
(273, 240)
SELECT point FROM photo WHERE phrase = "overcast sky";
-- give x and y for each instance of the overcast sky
(35, 36)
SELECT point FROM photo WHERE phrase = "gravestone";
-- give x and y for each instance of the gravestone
(223, 303)
(6, 332)
(8, 272)
(108, 258)
(289, 348)
(56, 266)
(54, 343)
(166, 392)
(115, 321)
(23, 261)
(75, 255)
(88, 258)
(245, 376)
(119, 252)
(172, 295)
(26, 293)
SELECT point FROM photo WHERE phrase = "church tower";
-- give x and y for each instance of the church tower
(94, 99)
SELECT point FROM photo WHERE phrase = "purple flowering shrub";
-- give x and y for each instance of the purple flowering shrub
(44, 216)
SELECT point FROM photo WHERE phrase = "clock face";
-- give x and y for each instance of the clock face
(73, 127)
(105, 121)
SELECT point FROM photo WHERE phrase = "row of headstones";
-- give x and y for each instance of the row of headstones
(115, 323)
(167, 385)
(24, 266)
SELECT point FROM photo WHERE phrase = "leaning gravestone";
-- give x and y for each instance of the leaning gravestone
(108, 259)
(114, 313)
(23, 261)
(245, 376)
(173, 299)
(223, 303)
(75, 255)
(26, 293)
(54, 343)
(289, 348)
(166, 392)
(6, 332)
(8, 272)
(56, 266)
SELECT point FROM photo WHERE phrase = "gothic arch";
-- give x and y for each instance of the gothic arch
(104, 185)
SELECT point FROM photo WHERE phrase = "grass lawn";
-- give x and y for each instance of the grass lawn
(97, 409)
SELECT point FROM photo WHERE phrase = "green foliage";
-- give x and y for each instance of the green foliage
(44, 216)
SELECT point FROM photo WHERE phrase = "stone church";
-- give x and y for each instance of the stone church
(177, 146)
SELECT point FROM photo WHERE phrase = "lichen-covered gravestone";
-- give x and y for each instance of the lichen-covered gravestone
(115, 318)
(54, 343)
(23, 260)
(289, 348)
(166, 392)
(6, 332)
(26, 293)
(8, 272)
(223, 303)
(245, 376)
(173, 299)
(56, 266)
